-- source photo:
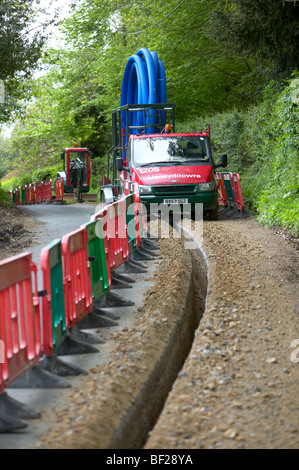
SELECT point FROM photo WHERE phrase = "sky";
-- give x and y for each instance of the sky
(51, 6)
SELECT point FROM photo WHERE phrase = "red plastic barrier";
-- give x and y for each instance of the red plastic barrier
(27, 195)
(236, 185)
(17, 197)
(20, 196)
(19, 318)
(104, 181)
(47, 193)
(39, 188)
(59, 189)
(139, 221)
(76, 276)
(126, 187)
(115, 233)
(223, 199)
(32, 193)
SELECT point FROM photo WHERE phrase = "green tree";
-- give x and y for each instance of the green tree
(21, 40)
(266, 30)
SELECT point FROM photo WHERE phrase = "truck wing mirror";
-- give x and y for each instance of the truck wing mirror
(62, 156)
(223, 161)
(120, 165)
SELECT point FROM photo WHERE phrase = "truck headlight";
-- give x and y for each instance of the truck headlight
(208, 186)
(145, 189)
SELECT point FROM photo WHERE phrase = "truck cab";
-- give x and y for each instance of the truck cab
(173, 169)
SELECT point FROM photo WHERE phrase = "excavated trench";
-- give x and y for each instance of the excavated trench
(133, 430)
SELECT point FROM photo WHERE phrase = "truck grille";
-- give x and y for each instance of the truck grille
(180, 189)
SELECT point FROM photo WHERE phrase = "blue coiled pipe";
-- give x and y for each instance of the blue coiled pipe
(144, 82)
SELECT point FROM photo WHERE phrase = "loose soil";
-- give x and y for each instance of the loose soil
(238, 387)
(16, 229)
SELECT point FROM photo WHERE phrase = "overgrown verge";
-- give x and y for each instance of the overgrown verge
(49, 172)
(4, 197)
(41, 174)
(262, 144)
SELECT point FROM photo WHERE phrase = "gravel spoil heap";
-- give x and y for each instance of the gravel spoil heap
(239, 385)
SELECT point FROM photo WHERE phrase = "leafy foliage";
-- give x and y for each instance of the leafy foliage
(41, 174)
(265, 29)
(262, 144)
(4, 197)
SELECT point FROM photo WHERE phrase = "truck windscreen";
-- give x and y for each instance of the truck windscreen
(179, 150)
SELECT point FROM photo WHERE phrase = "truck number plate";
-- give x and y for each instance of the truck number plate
(176, 201)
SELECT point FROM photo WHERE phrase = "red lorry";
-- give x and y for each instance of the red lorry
(169, 167)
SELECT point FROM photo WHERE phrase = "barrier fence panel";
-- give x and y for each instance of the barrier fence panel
(53, 306)
(107, 225)
(22, 197)
(16, 191)
(98, 264)
(19, 318)
(32, 193)
(103, 216)
(77, 277)
(222, 199)
(238, 197)
(39, 188)
(47, 191)
(117, 233)
(124, 229)
(139, 223)
(108, 241)
(227, 179)
(126, 187)
(130, 217)
(59, 189)
(27, 195)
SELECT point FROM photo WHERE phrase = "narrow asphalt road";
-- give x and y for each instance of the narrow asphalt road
(55, 222)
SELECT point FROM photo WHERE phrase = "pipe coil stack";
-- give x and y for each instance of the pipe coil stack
(144, 82)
